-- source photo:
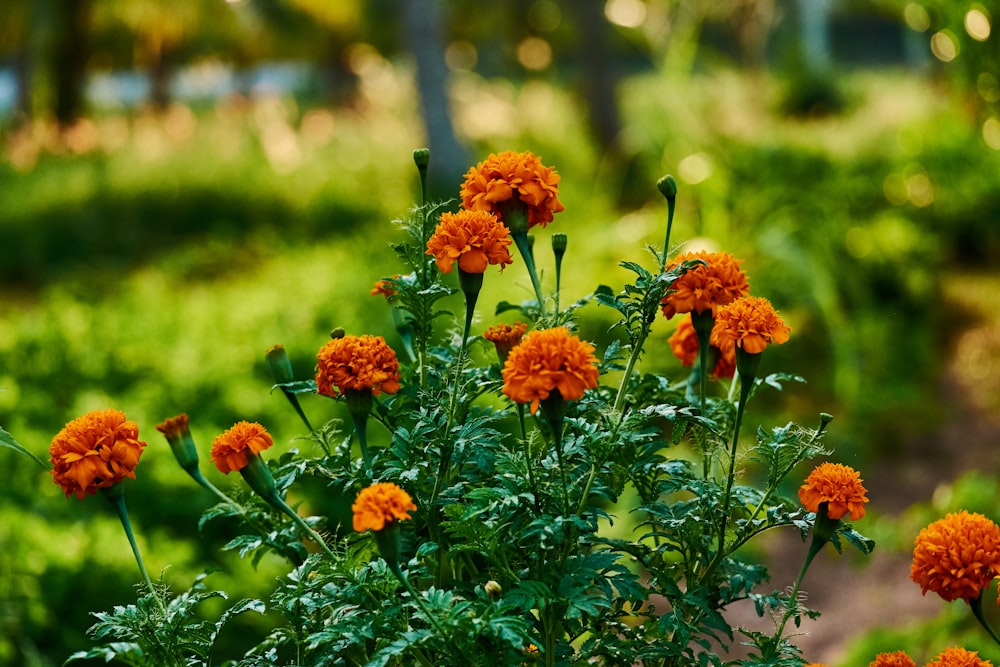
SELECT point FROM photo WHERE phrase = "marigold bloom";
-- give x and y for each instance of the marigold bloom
(838, 486)
(475, 239)
(505, 337)
(684, 345)
(706, 287)
(957, 557)
(750, 323)
(546, 361)
(357, 363)
(229, 450)
(959, 657)
(502, 177)
(379, 505)
(95, 451)
(385, 288)
(894, 659)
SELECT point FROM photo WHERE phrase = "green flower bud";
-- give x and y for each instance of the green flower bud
(422, 157)
(667, 186)
(278, 365)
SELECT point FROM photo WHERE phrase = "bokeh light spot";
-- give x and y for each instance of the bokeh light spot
(461, 56)
(695, 168)
(944, 46)
(920, 190)
(977, 24)
(988, 88)
(534, 53)
(916, 17)
(544, 15)
(858, 242)
(991, 133)
(626, 13)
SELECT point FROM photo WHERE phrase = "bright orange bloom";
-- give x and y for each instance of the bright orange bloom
(684, 345)
(95, 451)
(838, 486)
(957, 557)
(357, 362)
(894, 659)
(229, 450)
(475, 238)
(751, 323)
(505, 337)
(706, 287)
(175, 427)
(381, 504)
(385, 288)
(513, 176)
(959, 657)
(546, 361)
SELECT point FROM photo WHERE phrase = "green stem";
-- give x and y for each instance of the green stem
(977, 611)
(553, 408)
(316, 537)
(394, 567)
(294, 400)
(524, 247)
(629, 368)
(116, 495)
(814, 548)
(359, 404)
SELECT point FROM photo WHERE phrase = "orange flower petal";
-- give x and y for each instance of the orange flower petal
(957, 556)
(548, 360)
(380, 504)
(357, 362)
(95, 451)
(229, 450)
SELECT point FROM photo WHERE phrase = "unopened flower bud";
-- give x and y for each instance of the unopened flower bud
(181, 443)
(422, 157)
(493, 589)
(338, 332)
(559, 241)
(667, 186)
(278, 365)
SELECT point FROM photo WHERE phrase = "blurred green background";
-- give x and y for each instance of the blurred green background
(183, 185)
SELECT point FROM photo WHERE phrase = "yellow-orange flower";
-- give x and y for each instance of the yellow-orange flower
(381, 504)
(546, 361)
(229, 450)
(95, 451)
(358, 363)
(475, 239)
(505, 337)
(959, 657)
(684, 345)
(894, 659)
(957, 557)
(507, 176)
(705, 287)
(750, 323)
(838, 486)
(385, 288)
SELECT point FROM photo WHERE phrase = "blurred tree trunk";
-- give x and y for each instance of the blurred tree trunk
(814, 16)
(161, 70)
(69, 57)
(422, 29)
(599, 83)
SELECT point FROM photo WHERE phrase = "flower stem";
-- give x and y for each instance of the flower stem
(977, 611)
(814, 548)
(524, 247)
(553, 408)
(116, 495)
(316, 537)
(396, 570)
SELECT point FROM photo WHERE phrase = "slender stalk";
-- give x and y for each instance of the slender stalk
(359, 404)
(396, 570)
(316, 537)
(553, 408)
(294, 400)
(814, 548)
(977, 611)
(524, 247)
(116, 496)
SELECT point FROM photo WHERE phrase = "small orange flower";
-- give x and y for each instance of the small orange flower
(95, 451)
(513, 176)
(229, 450)
(959, 657)
(546, 361)
(174, 427)
(706, 287)
(380, 505)
(894, 659)
(751, 323)
(838, 486)
(359, 363)
(505, 337)
(475, 238)
(957, 557)
(684, 345)
(385, 288)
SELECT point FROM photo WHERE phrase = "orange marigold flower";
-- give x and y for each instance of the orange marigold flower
(229, 450)
(385, 288)
(475, 238)
(95, 451)
(705, 287)
(357, 362)
(684, 345)
(381, 504)
(546, 361)
(838, 486)
(750, 323)
(959, 657)
(894, 659)
(509, 176)
(957, 557)
(505, 337)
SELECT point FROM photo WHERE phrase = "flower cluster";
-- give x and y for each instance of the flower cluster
(357, 363)
(512, 177)
(231, 449)
(684, 344)
(95, 451)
